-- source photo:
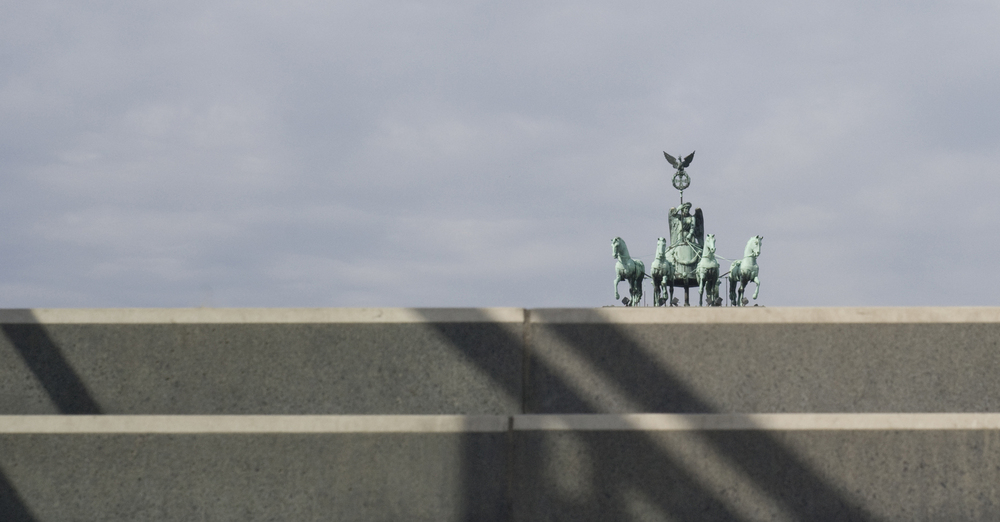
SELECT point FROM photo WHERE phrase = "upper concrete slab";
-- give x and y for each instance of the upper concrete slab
(262, 367)
(498, 361)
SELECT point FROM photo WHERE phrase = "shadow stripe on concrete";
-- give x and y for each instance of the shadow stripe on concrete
(62, 424)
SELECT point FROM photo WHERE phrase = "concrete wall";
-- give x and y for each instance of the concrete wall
(272, 362)
(501, 363)
(766, 361)
(478, 362)
(758, 475)
(246, 477)
(518, 474)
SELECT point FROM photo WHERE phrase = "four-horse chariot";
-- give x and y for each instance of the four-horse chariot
(688, 260)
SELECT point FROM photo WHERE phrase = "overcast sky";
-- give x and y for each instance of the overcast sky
(301, 153)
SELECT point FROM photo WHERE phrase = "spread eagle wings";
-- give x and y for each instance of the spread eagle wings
(670, 159)
(687, 160)
(679, 164)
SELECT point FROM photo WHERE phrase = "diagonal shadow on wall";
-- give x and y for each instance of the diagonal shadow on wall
(61, 383)
(775, 469)
(624, 466)
(48, 364)
(12, 507)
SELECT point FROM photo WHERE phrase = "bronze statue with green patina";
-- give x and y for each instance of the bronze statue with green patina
(627, 269)
(688, 260)
(707, 273)
(687, 239)
(687, 235)
(745, 271)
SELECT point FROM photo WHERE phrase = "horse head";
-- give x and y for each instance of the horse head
(753, 247)
(709, 244)
(661, 248)
(618, 248)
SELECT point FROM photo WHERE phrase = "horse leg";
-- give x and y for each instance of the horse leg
(687, 299)
(701, 290)
(618, 279)
(756, 290)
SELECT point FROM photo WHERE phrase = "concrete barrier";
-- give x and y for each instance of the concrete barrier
(248, 477)
(499, 361)
(764, 360)
(524, 467)
(500, 414)
(311, 361)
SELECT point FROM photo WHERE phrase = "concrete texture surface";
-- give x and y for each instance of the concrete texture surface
(261, 368)
(516, 476)
(759, 475)
(477, 361)
(186, 478)
(501, 362)
(720, 368)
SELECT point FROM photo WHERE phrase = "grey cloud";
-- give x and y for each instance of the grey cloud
(458, 153)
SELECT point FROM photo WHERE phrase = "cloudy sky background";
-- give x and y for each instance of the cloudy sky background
(301, 153)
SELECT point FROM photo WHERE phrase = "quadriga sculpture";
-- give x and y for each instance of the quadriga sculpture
(627, 269)
(744, 271)
(707, 273)
(662, 272)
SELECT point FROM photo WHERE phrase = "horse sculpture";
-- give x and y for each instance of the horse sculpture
(707, 272)
(627, 269)
(744, 271)
(662, 272)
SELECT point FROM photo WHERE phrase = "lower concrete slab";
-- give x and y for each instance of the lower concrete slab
(698, 468)
(750, 476)
(247, 477)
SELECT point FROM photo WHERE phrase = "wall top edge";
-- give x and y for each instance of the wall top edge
(616, 315)
(768, 315)
(258, 315)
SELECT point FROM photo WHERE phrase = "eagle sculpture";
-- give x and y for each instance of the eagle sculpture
(679, 165)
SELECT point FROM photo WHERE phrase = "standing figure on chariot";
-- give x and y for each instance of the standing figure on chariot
(686, 228)
(687, 239)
